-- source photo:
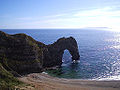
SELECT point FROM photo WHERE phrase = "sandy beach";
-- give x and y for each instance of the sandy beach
(41, 81)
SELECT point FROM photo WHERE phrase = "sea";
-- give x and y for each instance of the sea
(99, 52)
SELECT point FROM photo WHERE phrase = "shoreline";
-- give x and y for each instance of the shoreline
(41, 81)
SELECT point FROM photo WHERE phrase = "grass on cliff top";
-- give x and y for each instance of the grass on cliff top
(7, 80)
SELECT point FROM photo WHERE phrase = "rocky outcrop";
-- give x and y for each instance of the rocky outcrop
(53, 55)
(21, 54)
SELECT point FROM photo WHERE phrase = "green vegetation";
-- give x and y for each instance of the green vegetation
(7, 80)
(16, 52)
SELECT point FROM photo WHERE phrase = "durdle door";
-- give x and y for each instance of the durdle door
(22, 54)
(53, 55)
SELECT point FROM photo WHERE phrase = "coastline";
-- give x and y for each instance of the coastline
(42, 81)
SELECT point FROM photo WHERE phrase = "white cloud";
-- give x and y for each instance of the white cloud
(25, 18)
(55, 16)
(98, 12)
(95, 17)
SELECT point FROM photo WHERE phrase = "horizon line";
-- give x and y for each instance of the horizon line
(63, 28)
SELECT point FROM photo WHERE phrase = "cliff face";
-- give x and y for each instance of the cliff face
(21, 54)
(53, 55)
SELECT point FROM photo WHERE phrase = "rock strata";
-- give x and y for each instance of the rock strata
(21, 54)
(53, 55)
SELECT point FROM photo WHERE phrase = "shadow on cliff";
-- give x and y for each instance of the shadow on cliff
(22, 54)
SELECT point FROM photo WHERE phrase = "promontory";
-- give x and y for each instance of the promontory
(21, 54)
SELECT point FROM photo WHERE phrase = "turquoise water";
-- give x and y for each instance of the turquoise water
(99, 52)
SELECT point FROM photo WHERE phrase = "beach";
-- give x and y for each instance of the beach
(42, 81)
(59, 45)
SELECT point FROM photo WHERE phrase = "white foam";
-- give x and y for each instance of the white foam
(109, 78)
(44, 73)
(64, 64)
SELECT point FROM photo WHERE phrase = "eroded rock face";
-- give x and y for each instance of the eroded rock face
(53, 55)
(22, 54)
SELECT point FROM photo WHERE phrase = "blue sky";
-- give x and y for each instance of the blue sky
(30, 14)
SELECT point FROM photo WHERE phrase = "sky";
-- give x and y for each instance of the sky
(37, 14)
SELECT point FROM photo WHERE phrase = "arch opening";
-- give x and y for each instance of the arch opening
(62, 51)
(67, 57)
